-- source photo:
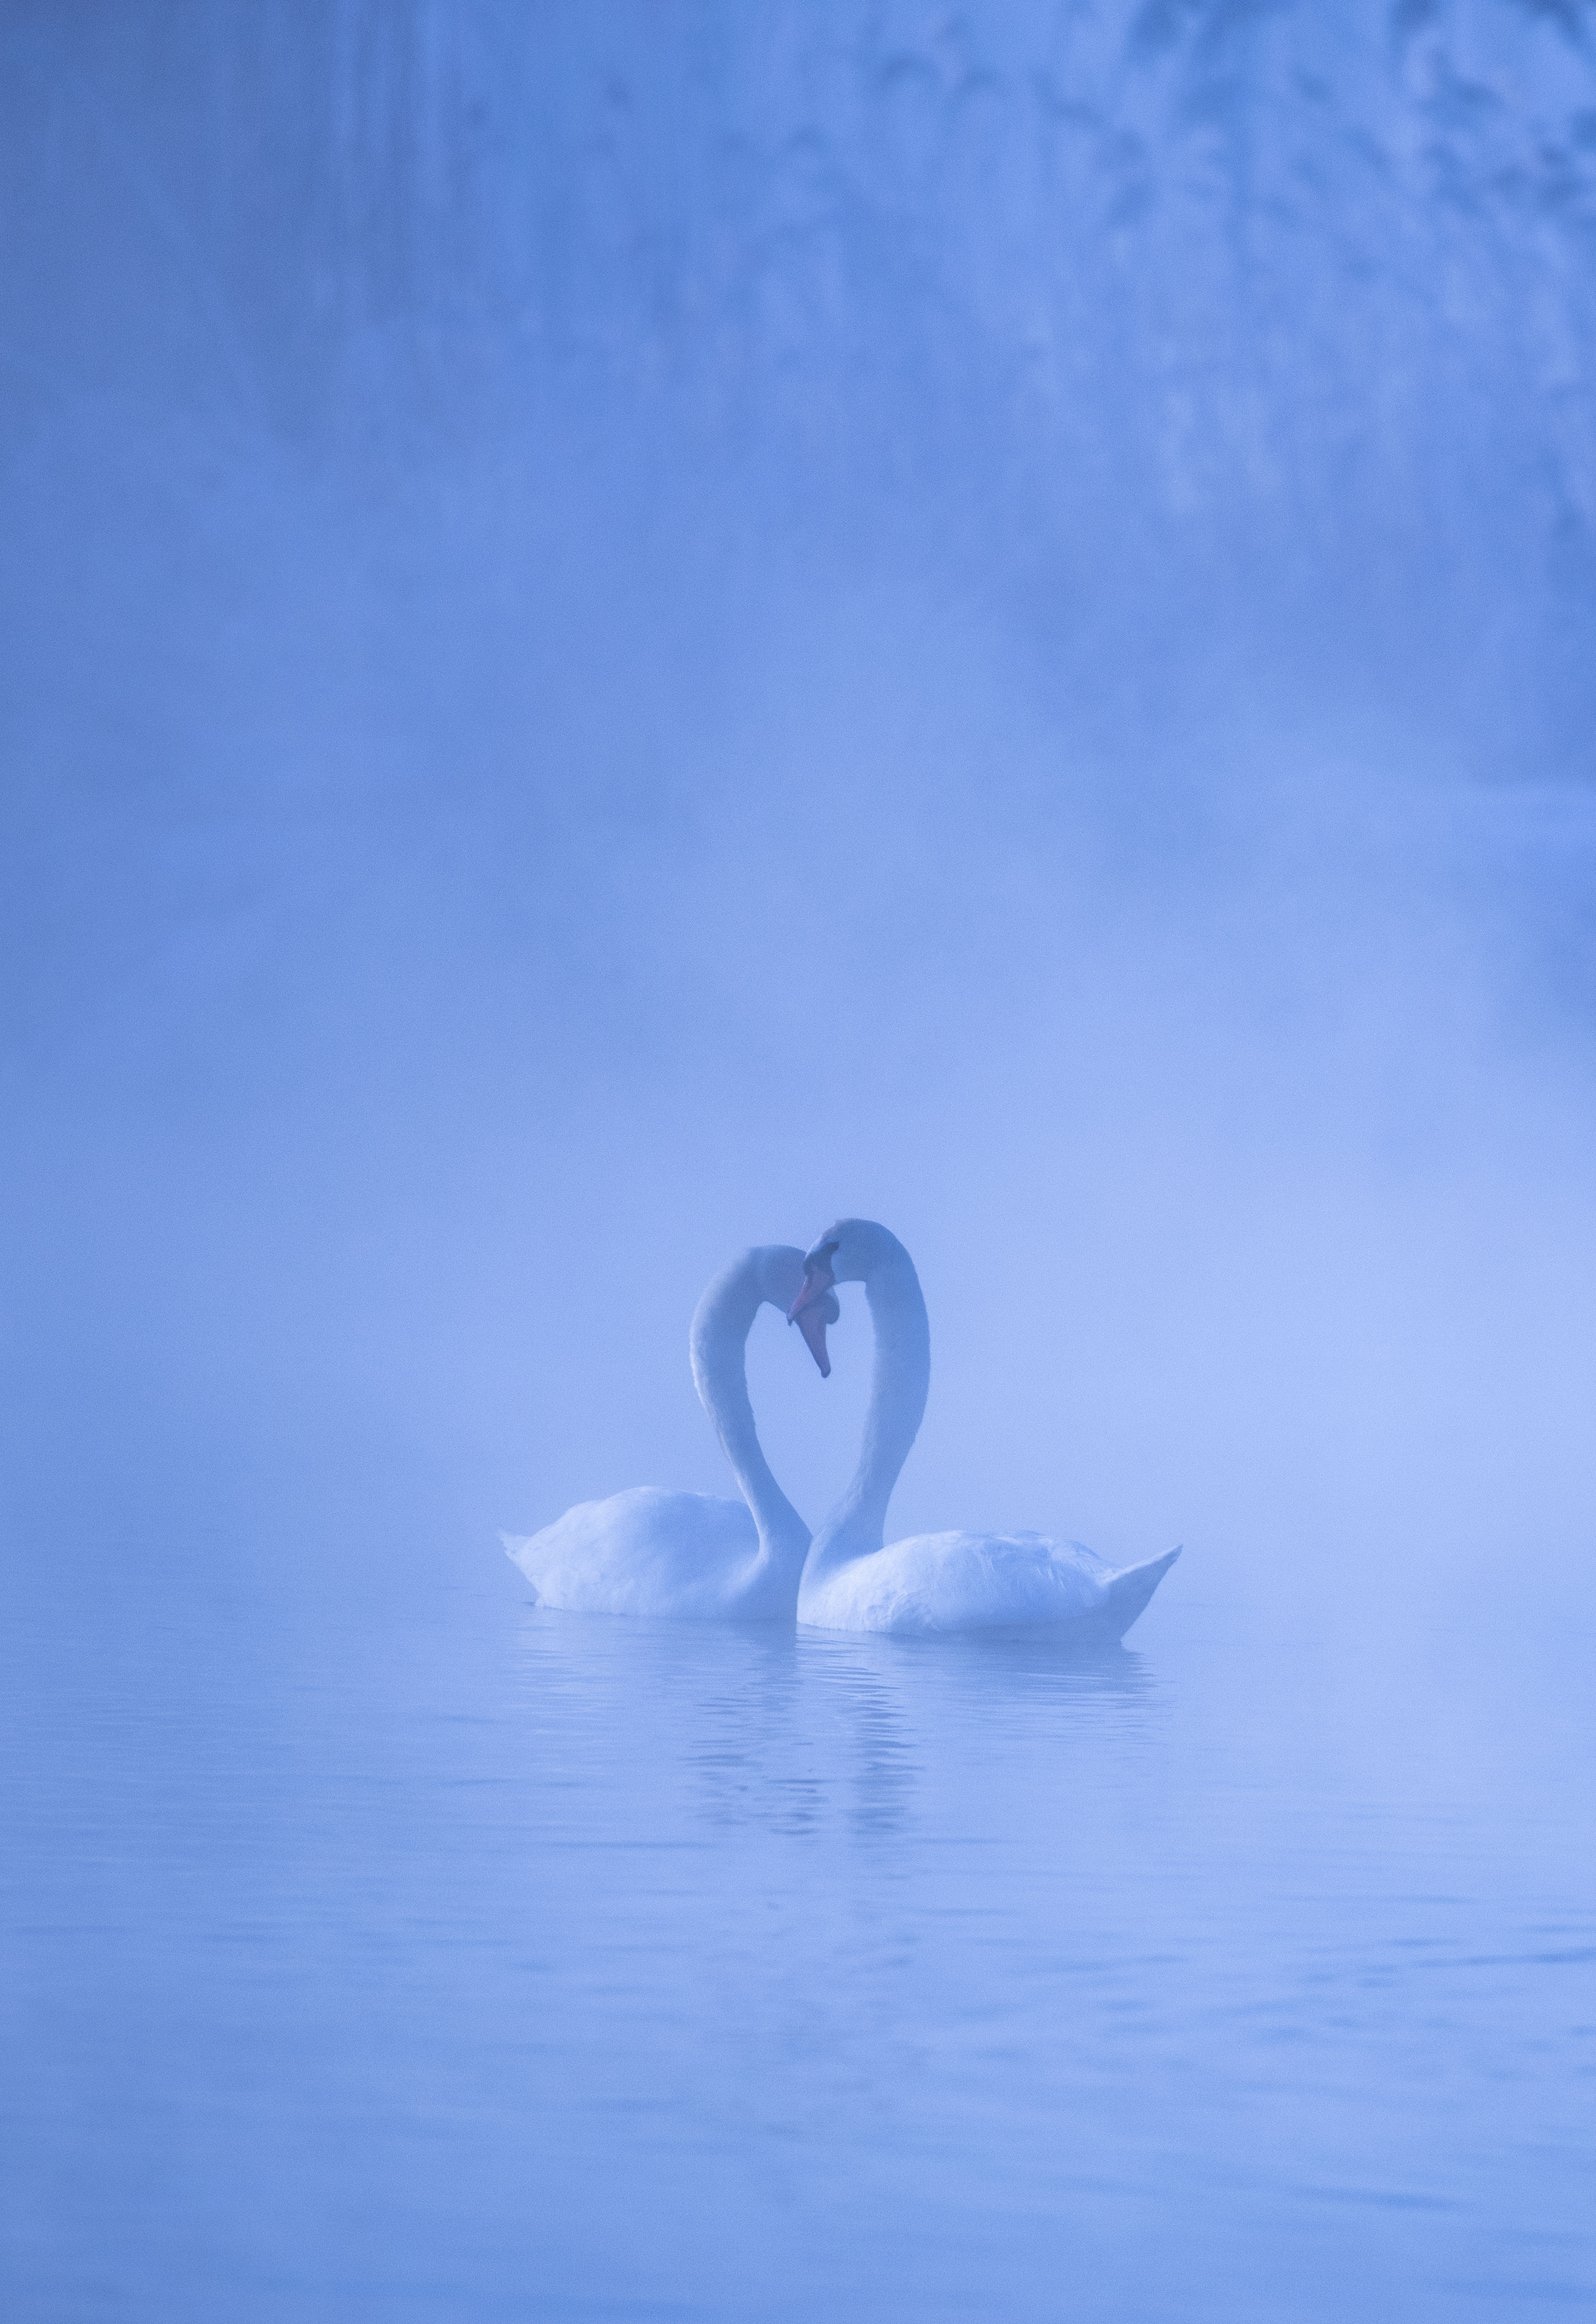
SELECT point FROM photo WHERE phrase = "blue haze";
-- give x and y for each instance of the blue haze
(625, 627)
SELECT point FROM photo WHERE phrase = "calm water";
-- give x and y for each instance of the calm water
(491, 1963)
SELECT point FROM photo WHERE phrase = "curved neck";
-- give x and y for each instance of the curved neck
(902, 1378)
(721, 1325)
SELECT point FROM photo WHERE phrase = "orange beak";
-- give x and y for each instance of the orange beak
(814, 1309)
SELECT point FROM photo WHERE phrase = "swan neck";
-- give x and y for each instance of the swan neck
(856, 1527)
(721, 1325)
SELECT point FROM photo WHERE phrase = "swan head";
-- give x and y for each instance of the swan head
(778, 1275)
(814, 1304)
(853, 1251)
(780, 1278)
(776, 1270)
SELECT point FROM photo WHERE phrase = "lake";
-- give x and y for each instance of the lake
(477, 1961)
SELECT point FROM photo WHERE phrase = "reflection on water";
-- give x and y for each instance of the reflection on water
(505, 1963)
(789, 1729)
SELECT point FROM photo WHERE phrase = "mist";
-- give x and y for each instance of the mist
(625, 636)
(627, 629)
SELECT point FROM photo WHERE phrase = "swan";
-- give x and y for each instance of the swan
(689, 1555)
(931, 1581)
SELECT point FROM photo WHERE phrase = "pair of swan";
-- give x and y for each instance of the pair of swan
(648, 1551)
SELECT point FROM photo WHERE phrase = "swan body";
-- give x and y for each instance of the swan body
(934, 1581)
(980, 1581)
(690, 1555)
(645, 1551)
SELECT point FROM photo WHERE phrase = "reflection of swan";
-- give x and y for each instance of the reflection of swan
(648, 1551)
(932, 1581)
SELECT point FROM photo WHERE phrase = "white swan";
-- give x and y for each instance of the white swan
(932, 1581)
(650, 1552)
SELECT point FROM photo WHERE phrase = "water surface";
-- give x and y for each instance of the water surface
(490, 1962)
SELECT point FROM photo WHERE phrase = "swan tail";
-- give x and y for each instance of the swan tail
(514, 1543)
(1130, 1590)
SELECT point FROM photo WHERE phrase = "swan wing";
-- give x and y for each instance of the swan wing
(958, 1581)
(941, 1581)
(643, 1552)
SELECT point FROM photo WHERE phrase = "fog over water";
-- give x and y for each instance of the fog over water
(625, 628)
